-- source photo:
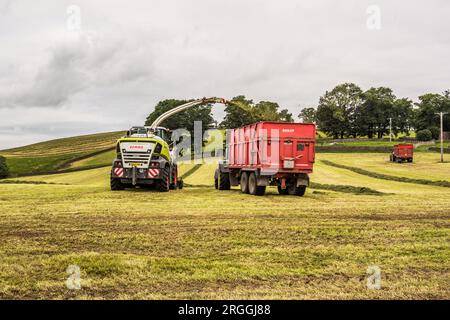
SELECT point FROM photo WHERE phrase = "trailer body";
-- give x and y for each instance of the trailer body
(402, 152)
(268, 153)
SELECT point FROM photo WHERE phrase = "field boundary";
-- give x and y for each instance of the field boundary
(438, 149)
(51, 172)
(351, 149)
(67, 163)
(438, 183)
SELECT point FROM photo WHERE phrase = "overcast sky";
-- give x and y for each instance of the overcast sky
(64, 74)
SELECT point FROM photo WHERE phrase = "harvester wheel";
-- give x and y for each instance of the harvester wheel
(180, 183)
(296, 191)
(163, 184)
(253, 187)
(116, 184)
(244, 182)
(282, 191)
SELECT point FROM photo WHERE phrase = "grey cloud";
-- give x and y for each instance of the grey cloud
(85, 62)
(127, 58)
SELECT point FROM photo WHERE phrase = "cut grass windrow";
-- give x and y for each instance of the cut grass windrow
(346, 189)
(191, 171)
(330, 187)
(27, 182)
(439, 183)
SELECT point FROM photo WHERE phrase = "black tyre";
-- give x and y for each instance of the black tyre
(180, 184)
(224, 181)
(244, 182)
(410, 160)
(116, 184)
(391, 158)
(296, 191)
(282, 191)
(163, 184)
(253, 187)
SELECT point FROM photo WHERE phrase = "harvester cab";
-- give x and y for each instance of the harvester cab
(144, 157)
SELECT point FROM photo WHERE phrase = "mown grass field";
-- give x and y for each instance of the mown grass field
(55, 154)
(202, 243)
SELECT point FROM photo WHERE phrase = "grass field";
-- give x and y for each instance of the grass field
(55, 154)
(202, 243)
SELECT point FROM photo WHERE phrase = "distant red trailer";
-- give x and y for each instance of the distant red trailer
(268, 153)
(402, 152)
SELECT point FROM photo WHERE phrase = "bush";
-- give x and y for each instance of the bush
(4, 171)
(435, 132)
(424, 135)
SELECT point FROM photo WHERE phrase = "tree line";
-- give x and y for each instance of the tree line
(345, 111)
(348, 111)
(241, 111)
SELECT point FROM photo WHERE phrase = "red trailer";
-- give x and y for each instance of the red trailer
(268, 153)
(402, 152)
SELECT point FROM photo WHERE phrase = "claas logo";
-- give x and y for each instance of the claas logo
(136, 147)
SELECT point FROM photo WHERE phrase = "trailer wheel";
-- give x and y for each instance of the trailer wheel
(296, 191)
(224, 181)
(116, 184)
(163, 184)
(410, 160)
(253, 187)
(282, 191)
(244, 182)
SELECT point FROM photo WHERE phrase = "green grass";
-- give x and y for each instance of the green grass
(425, 166)
(202, 243)
(57, 154)
(374, 174)
(64, 146)
(102, 159)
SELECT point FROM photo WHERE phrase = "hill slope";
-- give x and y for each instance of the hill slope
(57, 154)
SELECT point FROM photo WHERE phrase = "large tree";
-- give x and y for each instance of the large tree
(308, 115)
(372, 116)
(242, 111)
(335, 113)
(238, 113)
(425, 116)
(402, 116)
(185, 119)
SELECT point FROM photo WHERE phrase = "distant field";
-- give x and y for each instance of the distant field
(52, 155)
(72, 145)
(425, 165)
(202, 243)
(105, 158)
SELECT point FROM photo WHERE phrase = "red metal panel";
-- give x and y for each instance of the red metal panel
(279, 146)
(404, 150)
